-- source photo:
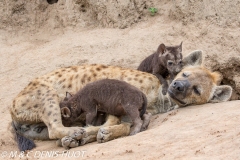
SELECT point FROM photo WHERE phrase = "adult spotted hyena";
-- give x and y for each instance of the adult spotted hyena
(39, 101)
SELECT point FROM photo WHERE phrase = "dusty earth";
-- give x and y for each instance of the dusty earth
(36, 38)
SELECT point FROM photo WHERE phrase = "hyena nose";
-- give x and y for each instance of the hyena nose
(178, 86)
(178, 70)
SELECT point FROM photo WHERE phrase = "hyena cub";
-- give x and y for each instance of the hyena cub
(166, 61)
(109, 96)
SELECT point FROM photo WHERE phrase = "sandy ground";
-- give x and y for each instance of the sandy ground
(209, 131)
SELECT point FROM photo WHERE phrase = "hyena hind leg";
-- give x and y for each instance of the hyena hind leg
(38, 131)
(25, 133)
(134, 114)
(146, 120)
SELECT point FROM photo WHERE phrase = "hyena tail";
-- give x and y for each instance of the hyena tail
(23, 142)
(144, 106)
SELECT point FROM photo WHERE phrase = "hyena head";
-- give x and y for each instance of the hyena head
(197, 85)
(171, 57)
(69, 110)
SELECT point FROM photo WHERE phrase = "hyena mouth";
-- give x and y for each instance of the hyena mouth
(175, 98)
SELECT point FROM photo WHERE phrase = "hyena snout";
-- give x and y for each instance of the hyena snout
(178, 91)
(174, 69)
(177, 70)
(179, 87)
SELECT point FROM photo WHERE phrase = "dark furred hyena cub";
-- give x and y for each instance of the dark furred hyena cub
(109, 96)
(167, 60)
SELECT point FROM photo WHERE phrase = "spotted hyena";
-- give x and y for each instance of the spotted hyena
(166, 61)
(39, 100)
(109, 96)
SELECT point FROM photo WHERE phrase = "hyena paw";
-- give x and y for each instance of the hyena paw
(103, 135)
(78, 133)
(133, 133)
(68, 142)
(73, 139)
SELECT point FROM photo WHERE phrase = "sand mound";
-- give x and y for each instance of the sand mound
(32, 15)
(223, 13)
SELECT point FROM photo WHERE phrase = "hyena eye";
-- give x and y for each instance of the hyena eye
(196, 90)
(180, 62)
(184, 75)
(170, 63)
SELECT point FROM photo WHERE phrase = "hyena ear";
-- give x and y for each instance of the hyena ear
(161, 49)
(221, 94)
(180, 46)
(68, 95)
(65, 111)
(193, 59)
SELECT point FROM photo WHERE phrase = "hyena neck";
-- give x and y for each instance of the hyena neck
(79, 108)
(165, 102)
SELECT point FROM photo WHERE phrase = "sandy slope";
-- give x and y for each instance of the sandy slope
(199, 132)
(207, 131)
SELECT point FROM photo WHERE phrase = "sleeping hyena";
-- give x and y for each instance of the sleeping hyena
(39, 101)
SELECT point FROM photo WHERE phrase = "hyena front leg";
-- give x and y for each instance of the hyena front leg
(163, 82)
(92, 131)
(172, 76)
(90, 135)
(112, 129)
(108, 133)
